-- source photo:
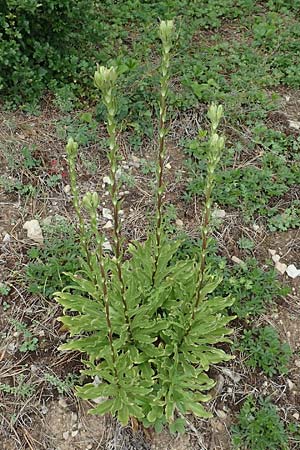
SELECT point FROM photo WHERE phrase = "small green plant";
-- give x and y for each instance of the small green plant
(63, 386)
(4, 289)
(29, 341)
(21, 389)
(246, 244)
(147, 321)
(264, 350)
(45, 271)
(259, 427)
(254, 288)
(290, 218)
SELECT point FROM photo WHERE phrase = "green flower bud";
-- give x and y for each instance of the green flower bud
(215, 114)
(72, 147)
(166, 31)
(91, 201)
(105, 78)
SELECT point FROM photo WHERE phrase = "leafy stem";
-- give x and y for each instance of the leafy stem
(166, 32)
(105, 80)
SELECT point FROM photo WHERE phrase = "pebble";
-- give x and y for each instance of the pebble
(66, 435)
(6, 238)
(67, 189)
(255, 227)
(236, 260)
(219, 213)
(74, 433)
(34, 231)
(179, 223)
(296, 416)
(168, 166)
(281, 267)
(292, 271)
(272, 252)
(106, 180)
(107, 214)
(294, 124)
(297, 363)
(108, 225)
(275, 258)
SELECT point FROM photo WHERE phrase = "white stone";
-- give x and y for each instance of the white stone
(276, 258)
(106, 180)
(272, 252)
(255, 227)
(6, 238)
(108, 225)
(281, 267)
(67, 189)
(219, 213)
(168, 166)
(107, 214)
(74, 433)
(179, 223)
(107, 246)
(34, 231)
(236, 260)
(66, 435)
(294, 124)
(292, 271)
(296, 416)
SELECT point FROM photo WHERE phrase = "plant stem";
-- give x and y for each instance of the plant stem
(105, 79)
(166, 33)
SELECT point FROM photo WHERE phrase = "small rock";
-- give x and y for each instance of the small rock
(255, 227)
(219, 213)
(168, 166)
(67, 189)
(235, 377)
(44, 410)
(108, 225)
(236, 260)
(297, 363)
(66, 435)
(74, 433)
(34, 231)
(107, 246)
(275, 258)
(179, 223)
(221, 414)
(107, 214)
(291, 385)
(296, 416)
(62, 403)
(292, 271)
(89, 447)
(6, 238)
(294, 124)
(281, 267)
(106, 180)
(272, 252)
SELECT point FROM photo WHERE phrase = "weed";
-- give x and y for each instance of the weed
(253, 288)
(264, 349)
(259, 427)
(63, 386)
(29, 341)
(45, 272)
(4, 289)
(246, 243)
(290, 218)
(21, 389)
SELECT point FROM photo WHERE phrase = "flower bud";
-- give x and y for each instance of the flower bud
(166, 31)
(91, 201)
(215, 113)
(72, 147)
(105, 78)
